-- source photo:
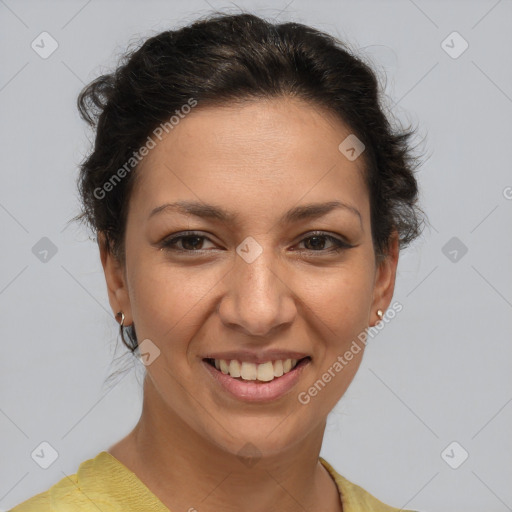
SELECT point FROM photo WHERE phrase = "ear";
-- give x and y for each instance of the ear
(385, 276)
(116, 281)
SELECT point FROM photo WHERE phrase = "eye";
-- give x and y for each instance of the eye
(191, 242)
(194, 242)
(317, 242)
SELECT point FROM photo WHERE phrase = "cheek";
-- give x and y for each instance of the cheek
(166, 299)
(340, 298)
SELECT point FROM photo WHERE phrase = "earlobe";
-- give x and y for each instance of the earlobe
(116, 283)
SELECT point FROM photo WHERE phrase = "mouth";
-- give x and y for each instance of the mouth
(257, 373)
(255, 383)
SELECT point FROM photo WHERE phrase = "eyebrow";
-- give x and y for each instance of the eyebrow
(309, 211)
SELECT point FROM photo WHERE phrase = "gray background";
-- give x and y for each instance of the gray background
(438, 373)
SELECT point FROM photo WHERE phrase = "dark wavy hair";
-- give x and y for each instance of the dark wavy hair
(223, 58)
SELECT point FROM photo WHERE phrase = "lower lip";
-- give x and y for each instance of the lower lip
(257, 391)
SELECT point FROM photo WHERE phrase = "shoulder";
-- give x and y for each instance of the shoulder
(70, 494)
(62, 498)
(39, 503)
(355, 498)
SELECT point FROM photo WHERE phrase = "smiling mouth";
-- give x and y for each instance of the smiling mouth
(266, 372)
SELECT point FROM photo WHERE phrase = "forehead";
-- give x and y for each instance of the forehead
(251, 154)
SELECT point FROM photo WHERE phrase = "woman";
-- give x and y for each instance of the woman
(250, 199)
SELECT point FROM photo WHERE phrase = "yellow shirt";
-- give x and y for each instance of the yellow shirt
(105, 484)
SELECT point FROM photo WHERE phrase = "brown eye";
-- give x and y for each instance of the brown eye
(317, 242)
(189, 243)
(193, 242)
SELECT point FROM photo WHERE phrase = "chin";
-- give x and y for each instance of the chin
(257, 437)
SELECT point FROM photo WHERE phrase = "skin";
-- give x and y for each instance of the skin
(258, 159)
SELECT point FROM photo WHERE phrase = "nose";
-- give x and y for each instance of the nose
(259, 299)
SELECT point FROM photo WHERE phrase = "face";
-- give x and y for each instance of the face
(253, 282)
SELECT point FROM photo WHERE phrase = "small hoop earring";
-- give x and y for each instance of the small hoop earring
(380, 314)
(122, 318)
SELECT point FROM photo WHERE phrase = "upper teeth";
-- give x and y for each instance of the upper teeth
(251, 371)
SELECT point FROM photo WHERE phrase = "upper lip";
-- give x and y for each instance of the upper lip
(256, 357)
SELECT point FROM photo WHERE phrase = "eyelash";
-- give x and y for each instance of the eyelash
(339, 245)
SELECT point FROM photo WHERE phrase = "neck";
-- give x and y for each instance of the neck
(188, 471)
